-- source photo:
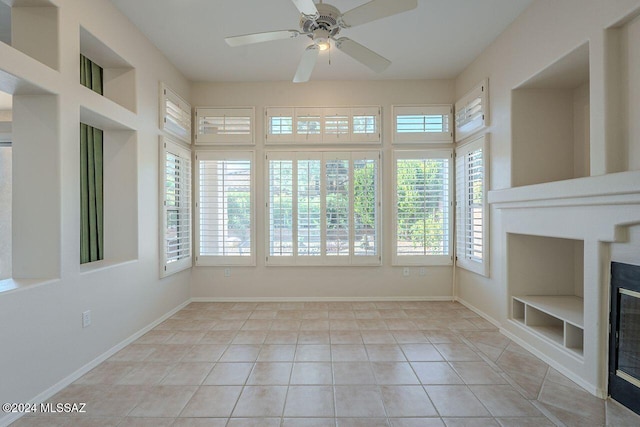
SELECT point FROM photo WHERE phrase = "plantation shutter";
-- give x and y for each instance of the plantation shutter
(281, 211)
(308, 125)
(225, 125)
(471, 207)
(472, 111)
(225, 208)
(176, 207)
(323, 208)
(175, 114)
(422, 123)
(422, 208)
(337, 124)
(279, 124)
(365, 124)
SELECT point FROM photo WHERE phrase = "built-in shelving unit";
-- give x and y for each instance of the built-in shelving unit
(558, 318)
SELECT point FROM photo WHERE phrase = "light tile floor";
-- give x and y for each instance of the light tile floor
(342, 364)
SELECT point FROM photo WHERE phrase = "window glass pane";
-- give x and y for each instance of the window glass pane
(364, 124)
(309, 206)
(422, 123)
(337, 207)
(308, 125)
(281, 125)
(364, 206)
(280, 208)
(422, 206)
(225, 207)
(336, 125)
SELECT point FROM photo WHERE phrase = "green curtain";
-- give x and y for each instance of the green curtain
(91, 195)
(90, 74)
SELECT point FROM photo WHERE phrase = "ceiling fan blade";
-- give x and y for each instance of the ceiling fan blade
(307, 63)
(261, 37)
(306, 7)
(362, 54)
(376, 9)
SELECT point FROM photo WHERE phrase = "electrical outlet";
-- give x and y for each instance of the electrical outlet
(86, 319)
(227, 272)
(423, 271)
(405, 272)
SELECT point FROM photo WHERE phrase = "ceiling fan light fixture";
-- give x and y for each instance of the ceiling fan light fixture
(323, 44)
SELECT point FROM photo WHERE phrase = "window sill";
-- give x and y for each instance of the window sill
(16, 285)
(93, 267)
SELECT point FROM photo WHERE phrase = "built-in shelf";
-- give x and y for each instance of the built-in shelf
(557, 318)
(119, 76)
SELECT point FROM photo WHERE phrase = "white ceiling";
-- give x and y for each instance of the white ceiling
(436, 40)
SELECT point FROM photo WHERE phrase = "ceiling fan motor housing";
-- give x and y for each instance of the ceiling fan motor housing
(325, 25)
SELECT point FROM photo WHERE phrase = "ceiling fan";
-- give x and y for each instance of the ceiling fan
(322, 22)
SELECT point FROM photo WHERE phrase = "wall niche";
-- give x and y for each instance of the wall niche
(550, 122)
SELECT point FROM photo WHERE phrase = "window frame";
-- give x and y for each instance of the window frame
(169, 145)
(423, 260)
(323, 259)
(480, 142)
(444, 110)
(224, 260)
(224, 138)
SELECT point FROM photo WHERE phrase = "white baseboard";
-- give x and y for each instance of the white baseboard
(42, 397)
(555, 365)
(479, 312)
(318, 299)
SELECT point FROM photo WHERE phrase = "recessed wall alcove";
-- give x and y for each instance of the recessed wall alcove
(550, 122)
(18, 18)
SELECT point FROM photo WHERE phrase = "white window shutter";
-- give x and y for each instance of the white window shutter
(366, 124)
(472, 111)
(422, 123)
(422, 208)
(323, 208)
(225, 126)
(322, 125)
(279, 124)
(471, 207)
(225, 208)
(175, 114)
(175, 196)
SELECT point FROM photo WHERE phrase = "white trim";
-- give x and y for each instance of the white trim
(479, 312)
(554, 364)
(179, 127)
(69, 379)
(320, 299)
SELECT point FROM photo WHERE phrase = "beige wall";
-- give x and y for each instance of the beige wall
(43, 341)
(323, 282)
(547, 31)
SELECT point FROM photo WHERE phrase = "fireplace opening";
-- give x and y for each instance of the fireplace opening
(624, 340)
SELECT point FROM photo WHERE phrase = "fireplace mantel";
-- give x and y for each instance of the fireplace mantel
(537, 226)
